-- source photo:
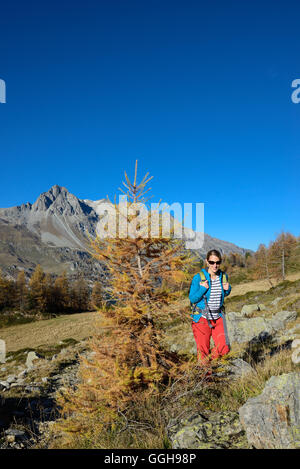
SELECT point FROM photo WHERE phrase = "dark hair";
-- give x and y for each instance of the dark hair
(213, 252)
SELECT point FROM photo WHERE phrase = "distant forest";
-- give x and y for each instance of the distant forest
(45, 296)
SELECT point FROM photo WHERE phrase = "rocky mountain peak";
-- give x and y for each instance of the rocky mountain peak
(59, 200)
(46, 199)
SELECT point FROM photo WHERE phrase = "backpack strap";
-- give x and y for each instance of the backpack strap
(202, 276)
(202, 279)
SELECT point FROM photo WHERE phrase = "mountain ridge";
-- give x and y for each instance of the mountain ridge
(54, 232)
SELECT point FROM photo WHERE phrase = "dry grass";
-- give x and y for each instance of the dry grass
(259, 285)
(49, 331)
(235, 393)
(145, 426)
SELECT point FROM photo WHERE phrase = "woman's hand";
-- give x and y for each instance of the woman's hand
(204, 284)
(226, 286)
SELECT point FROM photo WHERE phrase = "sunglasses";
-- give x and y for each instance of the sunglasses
(212, 262)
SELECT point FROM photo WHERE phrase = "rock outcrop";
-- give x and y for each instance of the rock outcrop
(258, 329)
(272, 419)
(215, 430)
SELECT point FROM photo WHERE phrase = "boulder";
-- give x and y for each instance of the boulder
(296, 353)
(247, 310)
(218, 430)
(280, 319)
(234, 369)
(2, 351)
(239, 368)
(272, 419)
(259, 329)
(252, 330)
(4, 385)
(13, 434)
(31, 356)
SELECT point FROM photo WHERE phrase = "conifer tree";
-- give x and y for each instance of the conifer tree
(61, 292)
(21, 291)
(293, 260)
(51, 304)
(37, 294)
(80, 295)
(6, 291)
(280, 252)
(261, 267)
(97, 295)
(129, 363)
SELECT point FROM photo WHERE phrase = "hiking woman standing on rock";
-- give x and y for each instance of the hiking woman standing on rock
(207, 292)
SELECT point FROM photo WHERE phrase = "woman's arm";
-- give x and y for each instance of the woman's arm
(196, 291)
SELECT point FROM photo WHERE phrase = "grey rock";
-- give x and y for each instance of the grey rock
(272, 419)
(15, 432)
(31, 357)
(280, 319)
(11, 379)
(13, 435)
(232, 315)
(217, 430)
(2, 351)
(259, 329)
(247, 310)
(242, 330)
(239, 368)
(276, 301)
(4, 385)
(31, 388)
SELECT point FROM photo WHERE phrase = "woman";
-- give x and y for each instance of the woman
(207, 296)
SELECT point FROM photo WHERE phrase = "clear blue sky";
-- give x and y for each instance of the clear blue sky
(199, 92)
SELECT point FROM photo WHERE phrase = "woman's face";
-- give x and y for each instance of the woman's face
(213, 267)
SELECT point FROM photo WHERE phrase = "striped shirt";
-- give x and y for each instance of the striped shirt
(214, 301)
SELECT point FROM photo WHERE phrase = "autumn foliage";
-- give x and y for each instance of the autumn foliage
(128, 363)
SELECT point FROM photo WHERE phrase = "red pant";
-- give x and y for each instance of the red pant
(202, 333)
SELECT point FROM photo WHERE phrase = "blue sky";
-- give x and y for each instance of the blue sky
(198, 92)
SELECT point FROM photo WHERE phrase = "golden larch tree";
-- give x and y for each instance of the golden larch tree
(128, 363)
